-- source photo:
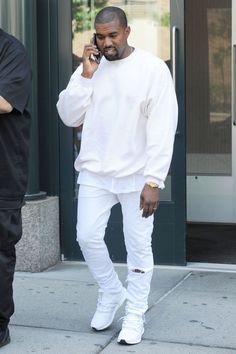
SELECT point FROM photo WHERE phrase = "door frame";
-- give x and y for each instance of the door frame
(169, 225)
(234, 101)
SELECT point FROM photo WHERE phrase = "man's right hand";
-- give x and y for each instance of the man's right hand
(5, 106)
(89, 65)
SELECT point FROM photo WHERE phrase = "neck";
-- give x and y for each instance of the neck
(128, 50)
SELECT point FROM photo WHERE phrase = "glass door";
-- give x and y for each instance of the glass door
(210, 110)
(153, 23)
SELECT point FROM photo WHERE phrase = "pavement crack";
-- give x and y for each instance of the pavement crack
(108, 342)
(170, 291)
(189, 344)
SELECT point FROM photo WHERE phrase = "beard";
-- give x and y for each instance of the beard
(111, 53)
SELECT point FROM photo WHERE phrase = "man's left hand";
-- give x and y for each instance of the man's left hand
(149, 200)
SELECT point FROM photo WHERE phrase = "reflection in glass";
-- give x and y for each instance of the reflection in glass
(208, 87)
(150, 30)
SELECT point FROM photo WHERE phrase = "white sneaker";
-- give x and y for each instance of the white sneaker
(107, 306)
(132, 329)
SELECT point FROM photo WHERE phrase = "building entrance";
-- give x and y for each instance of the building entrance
(211, 131)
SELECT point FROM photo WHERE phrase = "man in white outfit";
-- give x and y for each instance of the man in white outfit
(127, 105)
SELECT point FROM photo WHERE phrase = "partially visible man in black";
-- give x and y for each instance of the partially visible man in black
(15, 87)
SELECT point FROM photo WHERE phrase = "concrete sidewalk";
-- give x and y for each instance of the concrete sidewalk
(191, 312)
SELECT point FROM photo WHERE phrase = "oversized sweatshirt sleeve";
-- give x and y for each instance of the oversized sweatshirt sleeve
(161, 127)
(75, 99)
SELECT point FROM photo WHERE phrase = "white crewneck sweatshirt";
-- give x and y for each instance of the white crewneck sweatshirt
(129, 114)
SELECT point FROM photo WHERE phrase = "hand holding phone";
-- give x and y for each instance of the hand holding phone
(97, 57)
(91, 58)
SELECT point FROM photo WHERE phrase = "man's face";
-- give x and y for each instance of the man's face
(112, 39)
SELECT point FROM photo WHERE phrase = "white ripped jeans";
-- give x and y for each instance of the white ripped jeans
(94, 207)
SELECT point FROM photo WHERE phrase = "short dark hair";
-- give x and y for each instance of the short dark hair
(111, 13)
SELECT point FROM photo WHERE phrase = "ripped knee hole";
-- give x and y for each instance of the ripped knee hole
(138, 271)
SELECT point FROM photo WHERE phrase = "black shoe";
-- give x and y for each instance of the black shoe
(4, 337)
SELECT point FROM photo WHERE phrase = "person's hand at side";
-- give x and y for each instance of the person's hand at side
(5, 106)
(149, 200)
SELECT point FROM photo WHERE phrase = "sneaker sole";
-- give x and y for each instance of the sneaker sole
(123, 342)
(116, 309)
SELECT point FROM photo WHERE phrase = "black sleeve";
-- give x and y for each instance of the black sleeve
(15, 76)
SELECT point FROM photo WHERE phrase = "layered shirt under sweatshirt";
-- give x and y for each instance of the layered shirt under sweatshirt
(129, 114)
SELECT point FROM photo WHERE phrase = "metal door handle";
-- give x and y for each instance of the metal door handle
(234, 86)
(174, 47)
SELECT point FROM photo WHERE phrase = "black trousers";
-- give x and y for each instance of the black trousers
(10, 234)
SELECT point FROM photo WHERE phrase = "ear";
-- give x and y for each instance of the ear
(127, 31)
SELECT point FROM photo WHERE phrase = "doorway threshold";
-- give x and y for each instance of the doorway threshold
(212, 267)
(203, 267)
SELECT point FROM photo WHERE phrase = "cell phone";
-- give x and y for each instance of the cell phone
(97, 57)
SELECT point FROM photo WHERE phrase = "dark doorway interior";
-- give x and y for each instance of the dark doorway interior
(211, 243)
